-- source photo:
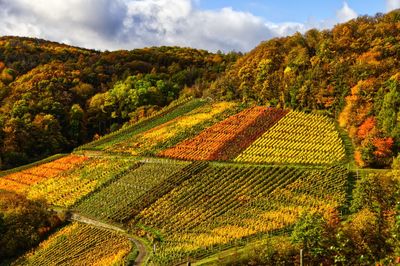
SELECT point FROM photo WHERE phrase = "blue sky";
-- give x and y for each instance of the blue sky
(296, 11)
(205, 24)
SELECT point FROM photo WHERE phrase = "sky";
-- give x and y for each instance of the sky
(205, 24)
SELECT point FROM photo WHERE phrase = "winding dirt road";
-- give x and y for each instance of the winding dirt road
(143, 253)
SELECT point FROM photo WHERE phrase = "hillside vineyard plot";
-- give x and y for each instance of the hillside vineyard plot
(67, 189)
(225, 140)
(80, 244)
(22, 181)
(164, 115)
(115, 202)
(225, 204)
(168, 134)
(297, 138)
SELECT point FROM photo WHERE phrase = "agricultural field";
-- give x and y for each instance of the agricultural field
(21, 182)
(164, 115)
(80, 244)
(188, 206)
(114, 203)
(225, 140)
(222, 205)
(173, 131)
(70, 187)
(298, 138)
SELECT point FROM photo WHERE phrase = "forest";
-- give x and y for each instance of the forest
(350, 73)
(56, 97)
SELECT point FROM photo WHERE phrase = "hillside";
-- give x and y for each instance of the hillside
(350, 72)
(61, 96)
(170, 155)
(200, 177)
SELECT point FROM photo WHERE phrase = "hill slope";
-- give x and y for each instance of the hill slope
(350, 72)
(61, 96)
(194, 209)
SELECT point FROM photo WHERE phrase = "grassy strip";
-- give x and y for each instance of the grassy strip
(130, 259)
(348, 146)
(164, 115)
(232, 254)
(27, 166)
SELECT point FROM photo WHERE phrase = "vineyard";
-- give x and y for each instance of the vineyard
(166, 114)
(79, 244)
(186, 205)
(172, 131)
(70, 187)
(297, 138)
(114, 203)
(21, 182)
(224, 204)
(168, 133)
(225, 140)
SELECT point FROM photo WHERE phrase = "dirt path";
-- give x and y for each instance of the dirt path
(142, 256)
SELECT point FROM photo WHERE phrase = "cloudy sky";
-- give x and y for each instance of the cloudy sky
(207, 24)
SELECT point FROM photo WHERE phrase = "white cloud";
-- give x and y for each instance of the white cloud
(392, 4)
(345, 13)
(128, 24)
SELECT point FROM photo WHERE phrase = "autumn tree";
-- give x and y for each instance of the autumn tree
(23, 224)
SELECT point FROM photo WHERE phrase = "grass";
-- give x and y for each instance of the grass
(348, 146)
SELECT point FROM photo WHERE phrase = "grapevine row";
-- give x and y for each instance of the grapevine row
(80, 244)
(172, 111)
(225, 140)
(297, 138)
(113, 203)
(72, 186)
(224, 204)
(21, 182)
(148, 140)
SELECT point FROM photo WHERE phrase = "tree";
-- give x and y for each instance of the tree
(309, 231)
(23, 224)
(359, 241)
(77, 125)
(374, 192)
(389, 114)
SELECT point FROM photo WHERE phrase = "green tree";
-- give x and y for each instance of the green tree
(389, 115)
(309, 231)
(77, 127)
(375, 192)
